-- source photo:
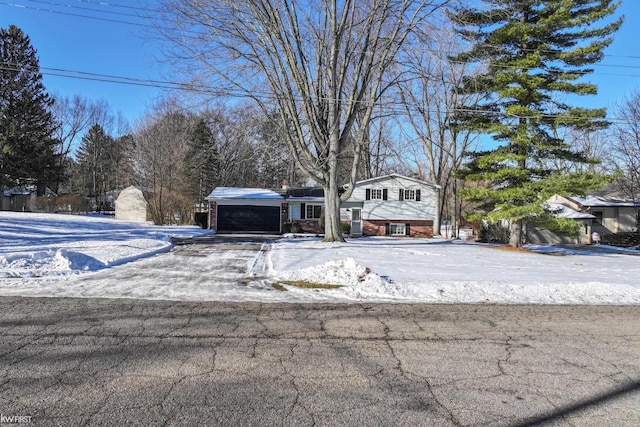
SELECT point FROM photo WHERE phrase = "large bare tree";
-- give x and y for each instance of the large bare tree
(626, 145)
(322, 63)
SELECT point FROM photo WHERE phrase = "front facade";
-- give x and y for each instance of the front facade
(611, 215)
(253, 210)
(392, 205)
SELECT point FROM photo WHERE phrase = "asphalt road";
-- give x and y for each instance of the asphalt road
(131, 362)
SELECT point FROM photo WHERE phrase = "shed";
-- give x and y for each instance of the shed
(131, 204)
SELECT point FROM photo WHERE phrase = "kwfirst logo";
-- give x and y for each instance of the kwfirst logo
(14, 419)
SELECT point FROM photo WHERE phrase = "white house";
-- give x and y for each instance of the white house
(392, 205)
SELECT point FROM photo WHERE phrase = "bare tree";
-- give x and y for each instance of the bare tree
(430, 94)
(626, 145)
(322, 63)
(161, 145)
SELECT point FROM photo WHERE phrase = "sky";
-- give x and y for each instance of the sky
(67, 39)
(94, 256)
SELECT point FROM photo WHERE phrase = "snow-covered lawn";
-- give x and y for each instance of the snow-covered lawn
(51, 251)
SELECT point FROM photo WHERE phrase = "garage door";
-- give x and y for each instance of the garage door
(249, 218)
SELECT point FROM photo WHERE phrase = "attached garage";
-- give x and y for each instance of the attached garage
(251, 210)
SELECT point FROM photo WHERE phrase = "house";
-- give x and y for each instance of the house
(131, 205)
(392, 205)
(18, 199)
(246, 209)
(605, 215)
(305, 208)
(540, 236)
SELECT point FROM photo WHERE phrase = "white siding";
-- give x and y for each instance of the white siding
(393, 208)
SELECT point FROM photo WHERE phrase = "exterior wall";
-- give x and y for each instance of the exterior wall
(627, 219)
(395, 208)
(379, 227)
(541, 236)
(213, 215)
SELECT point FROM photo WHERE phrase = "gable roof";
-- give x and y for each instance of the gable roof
(242, 193)
(561, 211)
(396, 176)
(603, 201)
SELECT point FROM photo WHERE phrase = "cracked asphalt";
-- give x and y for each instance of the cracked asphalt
(74, 362)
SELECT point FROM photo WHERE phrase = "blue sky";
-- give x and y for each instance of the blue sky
(103, 47)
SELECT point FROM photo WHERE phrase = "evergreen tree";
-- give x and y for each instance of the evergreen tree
(27, 142)
(202, 165)
(533, 51)
(96, 162)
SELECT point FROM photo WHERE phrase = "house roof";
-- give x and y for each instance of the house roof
(397, 176)
(603, 201)
(561, 211)
(243, 193)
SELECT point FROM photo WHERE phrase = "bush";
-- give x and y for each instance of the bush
(493, 233)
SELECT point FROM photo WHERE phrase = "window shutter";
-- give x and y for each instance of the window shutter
(384, 194)
(367, 194)
(401, 197)
(407, 229)
(417, 195)
(387, 228)
(303, 211)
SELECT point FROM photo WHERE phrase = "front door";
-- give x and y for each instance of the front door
(356, 222)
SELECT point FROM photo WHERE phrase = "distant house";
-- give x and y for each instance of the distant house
(131, 205)
(601, 214)
(541, 236)
(392, 205)
(18, 199)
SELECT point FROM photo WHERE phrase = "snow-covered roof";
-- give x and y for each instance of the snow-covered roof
(604, 201)
(242, 193)
(562, 211)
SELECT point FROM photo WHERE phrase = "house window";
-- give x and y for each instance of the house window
(376, 194)
(409, 195)
(397, 229)
(599, 216)
(313, 211)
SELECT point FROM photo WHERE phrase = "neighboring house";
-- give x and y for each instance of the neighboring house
(18, 199)
(392, 205)
(601, 214)
(612, 215)
(246, 209)
(131, 205)
(541, 236)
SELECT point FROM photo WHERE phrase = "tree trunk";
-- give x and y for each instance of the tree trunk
(515, 239)
(332, 225)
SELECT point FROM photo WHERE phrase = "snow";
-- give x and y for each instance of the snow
(243, 193)
(96, 256)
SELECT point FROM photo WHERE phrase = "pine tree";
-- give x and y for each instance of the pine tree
(202, 164)
(27, 142)
(96, 158)
(536, 54)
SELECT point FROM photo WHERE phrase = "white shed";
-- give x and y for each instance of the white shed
(131, 204)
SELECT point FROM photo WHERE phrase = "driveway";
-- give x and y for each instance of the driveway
(132, 362)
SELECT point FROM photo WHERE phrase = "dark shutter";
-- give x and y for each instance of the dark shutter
(387, 229)
(367, 194)
(303, 211)
(407, 229)
(417, 195)
(401, 196)
(384, 194)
